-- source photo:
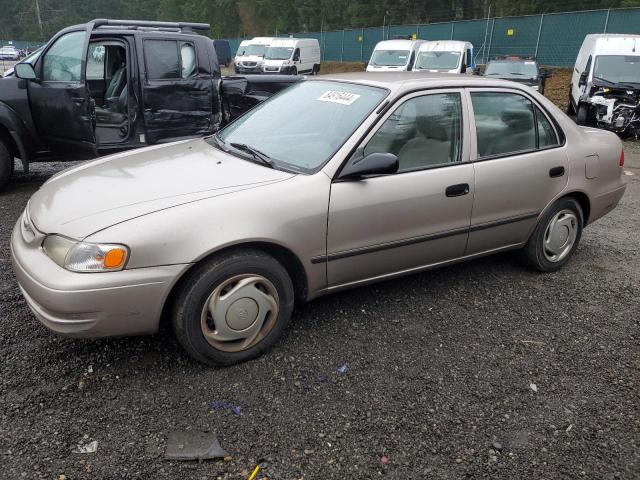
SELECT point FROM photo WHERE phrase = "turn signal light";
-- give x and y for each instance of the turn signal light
(622, 158)
(114, 258)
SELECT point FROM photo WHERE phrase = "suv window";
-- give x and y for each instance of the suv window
(166, 61)
(63, 61)
(422, 132)
(95, 61)
(504, 123)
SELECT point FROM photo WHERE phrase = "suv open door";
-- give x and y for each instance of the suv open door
(61, 105)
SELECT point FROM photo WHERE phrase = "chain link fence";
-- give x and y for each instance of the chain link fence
(554, 38)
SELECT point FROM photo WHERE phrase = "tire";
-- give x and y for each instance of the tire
(541, 252)
(582, 115)
(570, 110)
(226, 111)
(6, 165)
(316, 70)
(261, 284)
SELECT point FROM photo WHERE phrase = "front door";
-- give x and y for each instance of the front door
(416, 217)
(178, 91)
(60, 100)
(521, 167)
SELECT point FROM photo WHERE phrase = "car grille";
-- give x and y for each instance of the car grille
(249, 64)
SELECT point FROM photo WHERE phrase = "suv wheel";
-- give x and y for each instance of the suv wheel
(6, 165)
(556, 236)
(233, 308)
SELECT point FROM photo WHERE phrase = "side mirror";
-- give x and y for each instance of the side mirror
(372, 164)
(583, 78)
(24, 71)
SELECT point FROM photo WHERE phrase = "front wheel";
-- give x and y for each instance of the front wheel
(233, 308)
(556, 236)
(582, 114)
(6, 165)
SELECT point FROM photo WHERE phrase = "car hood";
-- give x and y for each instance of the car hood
(85, 199)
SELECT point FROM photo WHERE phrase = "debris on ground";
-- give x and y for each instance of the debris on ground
(86, 447)
(497, 446)
(384, 460)
(344, 368)
(533, 387)
(193, 445)
(225, 404)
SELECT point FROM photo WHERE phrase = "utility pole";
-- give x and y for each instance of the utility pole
(39, 17)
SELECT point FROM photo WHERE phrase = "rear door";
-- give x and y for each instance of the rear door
(416, 217)
(60, 100)
(521, 165)
(178, 88)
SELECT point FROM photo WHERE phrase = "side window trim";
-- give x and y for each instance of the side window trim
(474, 157)
(465, 132)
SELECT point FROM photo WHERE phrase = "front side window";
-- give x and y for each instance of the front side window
(438, 60)
(505, 123)
(63, 61)
(389, 58)
(422, 132)
(303, 126)
(617, 68)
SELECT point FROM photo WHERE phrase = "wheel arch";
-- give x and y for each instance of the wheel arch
(14, 135)
(284, 255)
(583, 201)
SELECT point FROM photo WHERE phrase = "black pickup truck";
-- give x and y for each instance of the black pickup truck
(113, 85)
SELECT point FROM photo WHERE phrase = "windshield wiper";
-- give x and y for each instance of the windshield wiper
(255, 153)
(614, 84)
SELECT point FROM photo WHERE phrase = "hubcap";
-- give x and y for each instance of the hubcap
(239, 313)
(560, 235)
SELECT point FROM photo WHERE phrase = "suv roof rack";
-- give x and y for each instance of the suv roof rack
(142, 24)
(513, 57)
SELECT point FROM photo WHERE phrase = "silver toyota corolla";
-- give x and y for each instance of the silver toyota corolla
(335, 182)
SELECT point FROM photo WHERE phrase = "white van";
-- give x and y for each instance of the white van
(250, 55)
(451, 56)
(293, 56)
(393, 55)
(605, 84)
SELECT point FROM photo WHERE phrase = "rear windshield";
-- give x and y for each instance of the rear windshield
(389, 58)
(303, 126)
(437, 60)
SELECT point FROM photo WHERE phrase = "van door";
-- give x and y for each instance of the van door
(178, 90)
(60, 100)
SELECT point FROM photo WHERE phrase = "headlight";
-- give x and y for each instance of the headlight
(84, 256)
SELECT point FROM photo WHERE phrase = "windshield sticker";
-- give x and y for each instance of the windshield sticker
(343, 98)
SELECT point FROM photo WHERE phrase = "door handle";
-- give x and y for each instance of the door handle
(457, 190)
(556, 172)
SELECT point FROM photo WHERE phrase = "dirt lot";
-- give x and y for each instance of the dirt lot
(439, 382)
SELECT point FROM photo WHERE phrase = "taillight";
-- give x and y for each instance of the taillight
(622, 158)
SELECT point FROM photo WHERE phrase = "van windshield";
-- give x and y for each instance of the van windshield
(618, 68)
(255, 50)
(303, 126)
(437, 60)
(389, 58)
(279, 53)
(509, 69)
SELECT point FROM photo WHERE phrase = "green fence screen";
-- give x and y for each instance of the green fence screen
(553, 38)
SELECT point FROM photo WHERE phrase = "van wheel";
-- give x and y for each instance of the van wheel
(555, 237)
(570, 110)
(583, 114)
(316, 70)
(6, 165)
(233, 308)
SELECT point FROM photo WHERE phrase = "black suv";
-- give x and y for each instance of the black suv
(112, 85)
(518, 69)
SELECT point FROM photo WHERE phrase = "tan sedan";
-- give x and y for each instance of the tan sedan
(335, 182)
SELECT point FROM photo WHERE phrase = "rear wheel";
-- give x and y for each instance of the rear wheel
(316, 70)
(6, 165)
(233, 308)
(556, 236)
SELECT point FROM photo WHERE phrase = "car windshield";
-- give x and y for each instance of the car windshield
(389, 58)
(279, 53)
(618, 68)
(510, 69)
(437, 60)
(302, 127)
(255, 50)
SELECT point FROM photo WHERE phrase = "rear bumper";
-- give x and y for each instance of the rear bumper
(91, 305)
(603, 204)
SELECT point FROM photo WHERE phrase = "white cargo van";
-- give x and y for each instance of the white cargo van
(393, 55)
(250, 55)
(451, 56)
(605, 84)
(293, 56)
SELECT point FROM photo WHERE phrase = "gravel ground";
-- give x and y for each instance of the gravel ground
(441, 368)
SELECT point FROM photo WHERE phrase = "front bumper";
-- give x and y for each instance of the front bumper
(256, 69)
(90, 305)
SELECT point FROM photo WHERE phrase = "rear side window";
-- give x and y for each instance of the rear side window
(546, 134)
(505, 123)
(169, 59)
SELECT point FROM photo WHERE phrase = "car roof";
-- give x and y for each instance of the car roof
(443, 45)
(406, 81)
(394, 44)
